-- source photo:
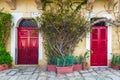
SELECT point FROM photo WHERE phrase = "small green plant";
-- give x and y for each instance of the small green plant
(51, 61)
(85, 56)
(115, 60)
(78, 59)
(66, 61)
(5, 57)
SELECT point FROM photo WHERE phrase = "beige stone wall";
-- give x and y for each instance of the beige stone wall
(29, 6)
(80, 48)
(115, 40)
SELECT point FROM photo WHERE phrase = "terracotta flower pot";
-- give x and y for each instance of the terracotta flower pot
(51, 68)
(6, 66)
(77, 67)
(116, 67)
(1, 67)
(63, 70)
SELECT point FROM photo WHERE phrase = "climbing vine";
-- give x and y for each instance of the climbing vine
(5, 27)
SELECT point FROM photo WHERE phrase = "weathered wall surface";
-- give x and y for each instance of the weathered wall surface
(27, 7)
(116, 40)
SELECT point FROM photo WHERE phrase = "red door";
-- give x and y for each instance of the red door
(27, 46)
(99, 46)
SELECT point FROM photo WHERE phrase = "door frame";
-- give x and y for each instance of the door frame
(109, 44)
(17, 17)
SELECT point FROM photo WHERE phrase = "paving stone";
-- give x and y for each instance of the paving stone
(3, 74)
(17, 74)
(96, 69)
(86, 74)
(112, 70)
(71, 78)
(43, 69)
(51, 74)
(30, 69)
(33, 77)
(102, 69)
(51, 78)
(109, 68)
(99, 72)
(106, 72)
(61, 76)
(94, 73)
(5, 77)
(103, 77)
(6, 71)
(41, 78)
(37, 70)
(14, 69)
(116, 73)
(23, 77)
(27, 73)
(84, 71)
(36, 73)
(90, 78)
(79, 78)
(43, 74)
(12, 73)
(76, 73)
(114, 77)
(13, 78)
(70, 74)
(90, 70)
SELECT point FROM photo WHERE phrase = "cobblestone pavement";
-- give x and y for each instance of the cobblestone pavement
(42, 74)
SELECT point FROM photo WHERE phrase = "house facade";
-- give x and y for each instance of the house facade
(27, 49)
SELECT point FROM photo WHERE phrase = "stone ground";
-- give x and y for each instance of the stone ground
(42, 74)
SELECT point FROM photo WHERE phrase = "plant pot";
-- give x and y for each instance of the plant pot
(6, 66)
(1, 67)
(77, 67)
(85, 67)
(51, 68)
(63, 70)
(116, 67)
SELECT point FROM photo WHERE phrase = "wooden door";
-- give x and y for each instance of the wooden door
(99, 46)
(27, 46)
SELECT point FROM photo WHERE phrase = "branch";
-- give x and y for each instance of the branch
(97, 21)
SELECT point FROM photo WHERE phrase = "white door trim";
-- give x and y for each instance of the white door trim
(17, 17)
(109, 43)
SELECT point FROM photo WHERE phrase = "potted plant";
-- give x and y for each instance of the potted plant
(5, 59)
(119, 62)
(65, 64)
(78, 63)
(1, 67)
(51, 64)
(115, 62)
(85, 56)
(62, 27)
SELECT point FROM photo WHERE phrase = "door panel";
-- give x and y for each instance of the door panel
(33, 51)
(27, 46)
(99, 46)
(22, 44)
